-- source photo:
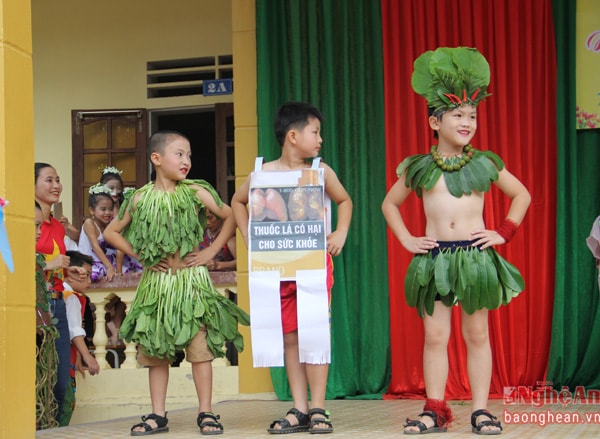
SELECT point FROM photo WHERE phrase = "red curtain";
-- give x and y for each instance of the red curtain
(518, 123)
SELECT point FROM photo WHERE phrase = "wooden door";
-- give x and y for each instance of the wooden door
(103, 138)
(225, 151)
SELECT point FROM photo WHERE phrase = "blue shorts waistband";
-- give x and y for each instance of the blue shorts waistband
(453, 246)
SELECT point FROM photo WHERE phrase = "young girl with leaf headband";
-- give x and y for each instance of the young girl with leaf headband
(455, 262)
(91, 239)
(111, 178)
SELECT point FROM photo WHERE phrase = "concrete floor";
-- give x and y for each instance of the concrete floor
(354, 418)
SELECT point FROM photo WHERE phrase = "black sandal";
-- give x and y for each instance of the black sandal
(439, 425)
(286, 427)
(214, 423)
(493, 422)
(316, 421)
(161, 425)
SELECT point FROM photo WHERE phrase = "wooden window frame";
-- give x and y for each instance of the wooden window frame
(79, 118)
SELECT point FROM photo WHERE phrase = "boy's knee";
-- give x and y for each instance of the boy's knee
(437, 336)
(476, 336)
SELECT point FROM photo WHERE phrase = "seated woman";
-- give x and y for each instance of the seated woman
(225, 260)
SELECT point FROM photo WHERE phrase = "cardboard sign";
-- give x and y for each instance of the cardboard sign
(287, 228)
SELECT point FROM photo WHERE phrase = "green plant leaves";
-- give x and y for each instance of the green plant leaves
(477, 175)
(475, 279)
(170, 308)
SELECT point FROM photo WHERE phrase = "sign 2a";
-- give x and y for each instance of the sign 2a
(217, 87)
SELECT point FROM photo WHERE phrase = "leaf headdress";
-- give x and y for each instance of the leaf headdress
(450, 77)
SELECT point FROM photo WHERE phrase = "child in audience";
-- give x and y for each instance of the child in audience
(111, 178)
(225, 259)
(91, 241)
(75, 299)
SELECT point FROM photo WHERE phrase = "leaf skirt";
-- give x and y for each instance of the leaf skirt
(169, 309)
(475, 279)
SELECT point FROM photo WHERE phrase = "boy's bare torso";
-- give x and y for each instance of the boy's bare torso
(450, 218)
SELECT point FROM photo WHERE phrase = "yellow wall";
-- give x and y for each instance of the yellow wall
(244, 51)
(92, 55)
(17, 319)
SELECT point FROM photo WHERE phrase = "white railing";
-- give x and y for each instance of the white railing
(124, 287)
(118, 392)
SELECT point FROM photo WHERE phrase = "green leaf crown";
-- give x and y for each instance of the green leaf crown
(450, 77)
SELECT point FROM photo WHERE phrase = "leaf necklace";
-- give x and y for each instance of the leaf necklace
(455, 163)
(479, 170)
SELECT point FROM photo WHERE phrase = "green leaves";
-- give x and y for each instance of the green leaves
(458, 71)
(477, 175)
(442, 281)
(164, 222)
(170, 308)
(476, 279)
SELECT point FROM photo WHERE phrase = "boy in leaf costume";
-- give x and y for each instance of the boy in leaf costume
(454, 261)
(176, 306)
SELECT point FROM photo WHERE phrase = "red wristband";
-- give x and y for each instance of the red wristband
(507, 229)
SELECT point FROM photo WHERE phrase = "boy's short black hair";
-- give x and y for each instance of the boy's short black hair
(77, 259)
(160, 139)
(438, 115)
(293, 115)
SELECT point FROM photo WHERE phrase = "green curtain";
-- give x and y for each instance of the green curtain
(576, 323)
(328, 53)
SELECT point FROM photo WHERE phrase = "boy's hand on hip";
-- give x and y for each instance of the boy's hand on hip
(486, 238)
(419, 244)
(198, 257)
(163, 266)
